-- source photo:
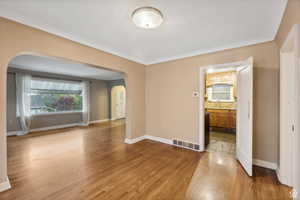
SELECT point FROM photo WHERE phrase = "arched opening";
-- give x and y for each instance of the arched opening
(48, 118)
(118, 102)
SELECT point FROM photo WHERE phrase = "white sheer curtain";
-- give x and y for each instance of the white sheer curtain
(85, 102)
(23, 87)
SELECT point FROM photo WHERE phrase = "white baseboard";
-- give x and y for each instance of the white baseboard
(112, 119)
(278, 175)
(156, 139)
(135, 140)
(54, 127)
(5, 185)
(265, 164)
(13, 133)
(283, 180)
(149, 137)
(159, 139)
(99, 121)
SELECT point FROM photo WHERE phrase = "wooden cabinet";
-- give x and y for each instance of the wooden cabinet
(222, 118)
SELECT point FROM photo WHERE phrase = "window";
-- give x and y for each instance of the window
(51, 95)
(220, 92)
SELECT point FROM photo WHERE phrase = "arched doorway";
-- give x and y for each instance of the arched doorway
(58, 78)
(54, 46)
(118, 102)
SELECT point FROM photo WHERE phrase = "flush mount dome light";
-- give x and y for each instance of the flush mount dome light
(147, 17)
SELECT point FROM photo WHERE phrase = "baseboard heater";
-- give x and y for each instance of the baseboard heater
(187, 145)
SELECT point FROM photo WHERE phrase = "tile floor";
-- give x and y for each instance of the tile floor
(222, 142)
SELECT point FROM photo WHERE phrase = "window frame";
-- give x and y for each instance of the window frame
(209, 94)
(57, 112)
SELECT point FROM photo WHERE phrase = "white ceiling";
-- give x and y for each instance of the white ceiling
(190, 27)
(64, 67)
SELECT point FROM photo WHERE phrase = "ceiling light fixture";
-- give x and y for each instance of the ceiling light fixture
(147, 17)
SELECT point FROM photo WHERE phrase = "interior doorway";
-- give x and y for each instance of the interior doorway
(118, 102)
(226, 110)
(220, 110)
(289, 140)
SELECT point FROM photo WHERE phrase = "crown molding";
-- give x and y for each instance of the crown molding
(47, 28)
(214, 50)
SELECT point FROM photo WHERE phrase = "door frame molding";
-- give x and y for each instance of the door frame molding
(242, 156)
(288, 162)
(201, 95)
(111, 105)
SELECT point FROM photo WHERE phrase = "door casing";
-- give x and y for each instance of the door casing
(202, 72)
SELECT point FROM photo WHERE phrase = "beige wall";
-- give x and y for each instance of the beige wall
(172, 112)
(16, 39)
(42, 121)
(99, 100)
(291, 17)
(12, 122)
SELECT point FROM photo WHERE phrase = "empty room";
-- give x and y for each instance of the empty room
(187, 100)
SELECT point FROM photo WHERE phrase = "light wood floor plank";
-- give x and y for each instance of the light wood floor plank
(94, 163)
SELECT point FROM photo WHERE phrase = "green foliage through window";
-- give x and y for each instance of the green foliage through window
(47, 100)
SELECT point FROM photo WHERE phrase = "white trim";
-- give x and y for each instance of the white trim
(45, 27)
(149, 137)
(113, 119)
(202, 72)
(99, 121)
(294, 194)
(13, 133)
(57, 113)
(49, 29)
(278, 175)
(135, 140)
(289, 152)
(245, 152)
(265, 164)
(5, 185)
(207, 51)
(54, 127)
(156, 139)
(159, 139)
(245, 163)
(201, 131)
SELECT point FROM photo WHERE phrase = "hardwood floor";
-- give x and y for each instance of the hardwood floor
(94, 163)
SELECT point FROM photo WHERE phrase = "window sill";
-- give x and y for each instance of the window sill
(221, 101)
(57, 113)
